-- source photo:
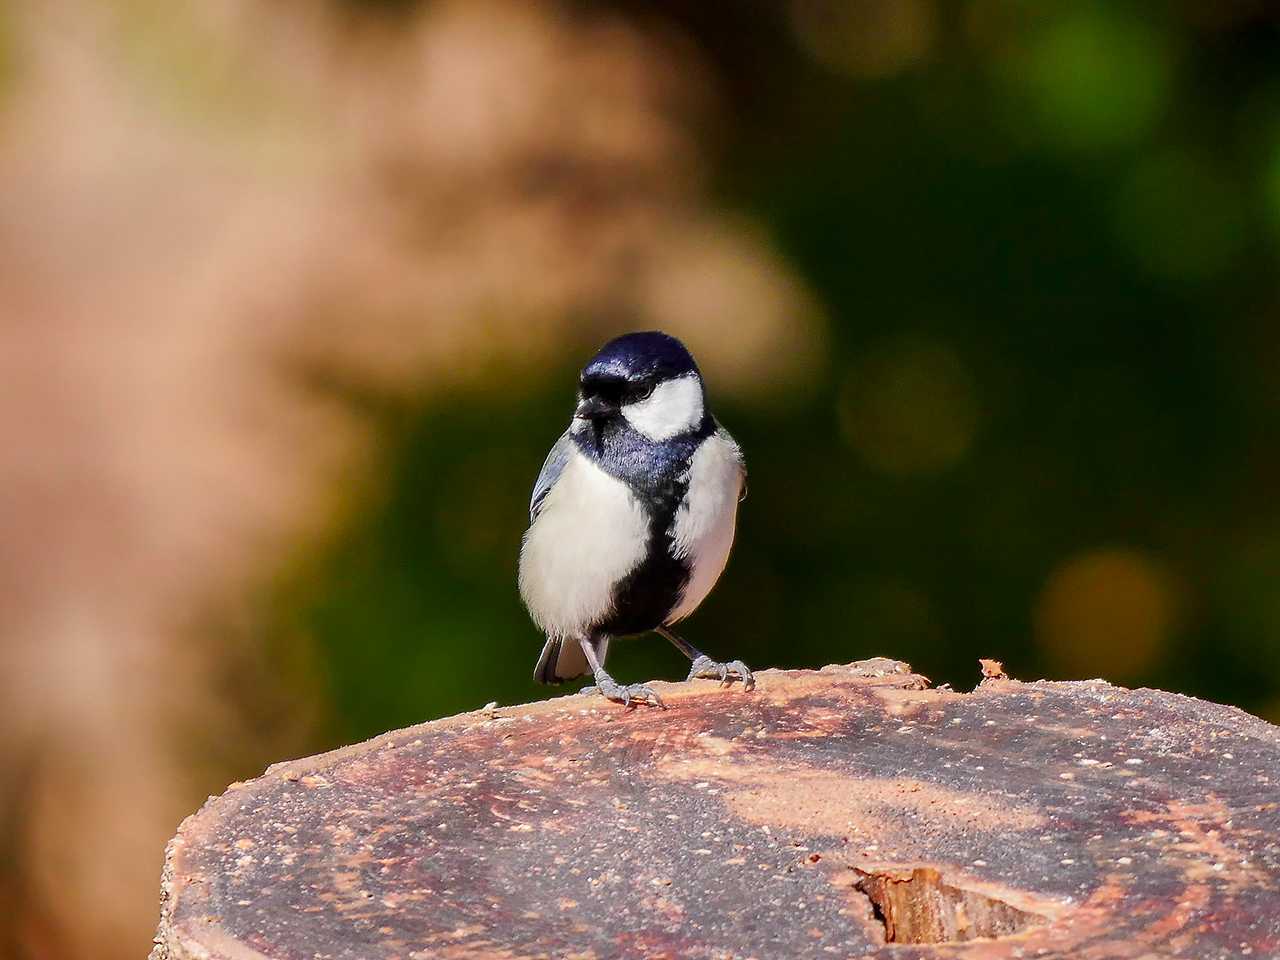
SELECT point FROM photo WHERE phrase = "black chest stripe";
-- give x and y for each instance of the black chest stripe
(658, 475)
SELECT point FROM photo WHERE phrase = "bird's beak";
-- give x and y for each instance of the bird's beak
(594, 408)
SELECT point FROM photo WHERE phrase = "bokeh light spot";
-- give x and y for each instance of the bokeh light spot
(1271, 186)
(1178, 218)
(910, 407)
(1096, 77)
(871, 38)
(757, 331)
(1107, 613)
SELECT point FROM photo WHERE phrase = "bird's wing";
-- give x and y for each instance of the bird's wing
(737, 453)
(551, 470)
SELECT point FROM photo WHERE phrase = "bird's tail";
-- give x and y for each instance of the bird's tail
(564, 660)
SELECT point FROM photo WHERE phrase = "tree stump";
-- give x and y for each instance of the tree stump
(848, 812)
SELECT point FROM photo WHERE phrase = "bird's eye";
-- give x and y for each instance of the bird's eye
(644, 392)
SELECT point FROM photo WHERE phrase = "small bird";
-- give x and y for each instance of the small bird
(632, 516)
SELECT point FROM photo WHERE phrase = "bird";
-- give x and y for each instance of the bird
(632, 516)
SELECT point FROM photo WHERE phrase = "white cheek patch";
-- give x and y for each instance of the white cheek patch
(673, 408)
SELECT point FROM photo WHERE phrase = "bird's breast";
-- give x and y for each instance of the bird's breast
(590, 533)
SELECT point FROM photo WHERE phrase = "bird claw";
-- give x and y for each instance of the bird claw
(704, 668)
(625, 694)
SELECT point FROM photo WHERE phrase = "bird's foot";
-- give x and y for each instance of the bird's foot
(624, 693)
(704, 668)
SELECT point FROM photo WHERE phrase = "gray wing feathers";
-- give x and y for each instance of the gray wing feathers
(551, 470)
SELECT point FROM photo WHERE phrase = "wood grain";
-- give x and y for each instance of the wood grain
(848, 812)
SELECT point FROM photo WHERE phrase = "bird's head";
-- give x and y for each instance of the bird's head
(648, 380)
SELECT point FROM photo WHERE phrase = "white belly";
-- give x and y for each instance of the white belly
(705, 523)
(591, 532)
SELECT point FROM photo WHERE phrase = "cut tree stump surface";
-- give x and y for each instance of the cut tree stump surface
(849, 812)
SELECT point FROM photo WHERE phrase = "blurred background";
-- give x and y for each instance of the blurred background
(292, 296)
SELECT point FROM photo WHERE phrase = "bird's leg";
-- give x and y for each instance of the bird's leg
(706, 668)
(609, 688)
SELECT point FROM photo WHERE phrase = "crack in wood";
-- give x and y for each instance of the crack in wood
(918, 906)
